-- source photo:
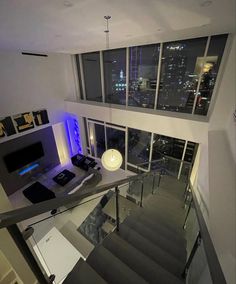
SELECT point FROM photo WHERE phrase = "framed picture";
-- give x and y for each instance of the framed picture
(23, 121)
(6, 127)
(40, 117)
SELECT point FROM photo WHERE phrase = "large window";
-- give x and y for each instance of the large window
(116, 140)
(79, 77)
(100, 139)
(210, 70)
(182, 81)
(115, 76)
(172, 154)
(180, 70)
(92, 76)
(138, 147)
(143, 64)
(168, 146)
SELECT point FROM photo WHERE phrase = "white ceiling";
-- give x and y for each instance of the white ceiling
(74, 26)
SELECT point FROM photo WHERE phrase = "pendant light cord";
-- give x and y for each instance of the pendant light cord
(107, 32)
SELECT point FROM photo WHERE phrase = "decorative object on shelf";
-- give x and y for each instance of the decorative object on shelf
(40, 117)
(111, 158)
(6, 127)
(73, 135)
(63, 177)
(24, 121)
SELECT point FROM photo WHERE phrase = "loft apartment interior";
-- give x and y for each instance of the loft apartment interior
(117, 141)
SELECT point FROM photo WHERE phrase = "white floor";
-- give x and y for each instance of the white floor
(70, 219)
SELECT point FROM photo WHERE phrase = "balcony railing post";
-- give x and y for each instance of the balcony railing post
(27, 254)
(117, 209)
(186, 217)
(153, 183)
(191, 256)
(159, 179)
(141, 197)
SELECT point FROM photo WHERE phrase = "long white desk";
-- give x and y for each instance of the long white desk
(56, 254)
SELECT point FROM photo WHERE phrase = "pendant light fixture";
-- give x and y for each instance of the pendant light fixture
(111, 158)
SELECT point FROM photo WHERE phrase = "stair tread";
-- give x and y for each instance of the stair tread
(175, 217)
(141, 263)
(83, 273)
(159, 218)
(164, 196)
(162, 229)
(171, 247)
(111, 268)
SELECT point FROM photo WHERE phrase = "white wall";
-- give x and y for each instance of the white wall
(222, 170)
(30, 83)
(176, 127)
(9, 248)
(222, 209)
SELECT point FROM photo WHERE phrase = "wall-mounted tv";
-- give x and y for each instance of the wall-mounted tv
(24, 156)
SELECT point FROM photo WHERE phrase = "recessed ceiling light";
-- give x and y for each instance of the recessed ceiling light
(206, 3)
(67, 4)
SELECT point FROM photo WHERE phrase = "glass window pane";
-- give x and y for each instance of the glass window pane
(180, 71)
(79, 77)
(168, 146)
(116, 140)
(100, 139)
(190, 152)
(92, 76)
(115, 76)
(86, 132)
(143, 65)
(92, 138)
(139, 146)
(210, 70)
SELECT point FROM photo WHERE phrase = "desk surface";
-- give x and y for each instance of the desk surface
(125, 207)
(57, 255)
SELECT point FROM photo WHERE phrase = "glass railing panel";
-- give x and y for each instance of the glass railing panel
(172, 166)
(185, 171)
(198, 272)
(59, 240)
(148, 186)
(191, 227)
(135, 190)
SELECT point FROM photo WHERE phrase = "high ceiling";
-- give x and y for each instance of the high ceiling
(74, 26)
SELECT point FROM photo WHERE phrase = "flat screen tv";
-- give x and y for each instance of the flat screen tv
(24, 156)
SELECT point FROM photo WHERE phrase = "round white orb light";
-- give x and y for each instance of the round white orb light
(112, 160)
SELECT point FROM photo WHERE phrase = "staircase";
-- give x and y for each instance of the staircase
(150, 246)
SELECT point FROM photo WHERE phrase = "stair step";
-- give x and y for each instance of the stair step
(83, 273)
(164, 197)
(111, 268)
(163, 230)
(174, 196)
(164, 243)
(163, 209)
(141, 263)
(159, 218)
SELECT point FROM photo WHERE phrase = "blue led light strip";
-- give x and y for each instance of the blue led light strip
(29, 168)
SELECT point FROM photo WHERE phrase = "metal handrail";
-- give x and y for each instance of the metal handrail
(18, 215)
(161, 159)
